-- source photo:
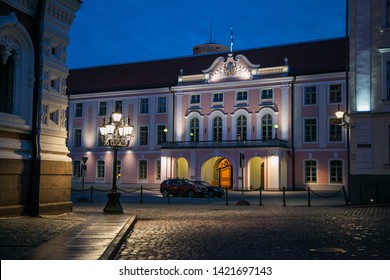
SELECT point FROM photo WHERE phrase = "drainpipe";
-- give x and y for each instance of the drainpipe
(37, 100)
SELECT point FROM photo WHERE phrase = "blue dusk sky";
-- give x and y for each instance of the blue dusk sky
(122, 31)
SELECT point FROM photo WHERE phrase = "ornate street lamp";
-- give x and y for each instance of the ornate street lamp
(343, 118)
(117, 133)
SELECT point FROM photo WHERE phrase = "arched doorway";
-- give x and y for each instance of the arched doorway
(218, 172)
(181, 168)
(225, 178)
(256, 172)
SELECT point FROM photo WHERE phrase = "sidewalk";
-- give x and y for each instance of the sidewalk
(85, 234)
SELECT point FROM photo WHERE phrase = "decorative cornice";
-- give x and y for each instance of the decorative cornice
(27, 6)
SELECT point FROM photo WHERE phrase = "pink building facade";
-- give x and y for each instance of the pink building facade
(256, 118)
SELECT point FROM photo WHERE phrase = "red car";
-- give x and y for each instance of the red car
(182, 187)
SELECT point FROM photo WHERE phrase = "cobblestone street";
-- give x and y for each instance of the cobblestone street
(253, 232)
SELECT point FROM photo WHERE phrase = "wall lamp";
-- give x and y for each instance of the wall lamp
(343, 117)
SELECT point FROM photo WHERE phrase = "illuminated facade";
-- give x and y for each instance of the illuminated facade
(256, 118)
(35, 171)
(369, 108)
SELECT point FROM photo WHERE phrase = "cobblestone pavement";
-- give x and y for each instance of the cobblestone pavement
(252, 232)
(18, 235)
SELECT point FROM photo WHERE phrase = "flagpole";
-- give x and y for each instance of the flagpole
(231, 39)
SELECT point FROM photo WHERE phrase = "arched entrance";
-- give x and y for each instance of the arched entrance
(225, 173)
(256, 172)
(181, 168)
(218, 172)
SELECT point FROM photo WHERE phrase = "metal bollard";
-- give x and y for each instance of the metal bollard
(308, 196)
(90, 194)
(284, 196)
(260, 196)
(140, 199)
(345, 196)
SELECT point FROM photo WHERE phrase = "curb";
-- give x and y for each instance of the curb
(113, 248)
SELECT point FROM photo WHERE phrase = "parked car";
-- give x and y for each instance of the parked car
(182, 187)
(211, 190)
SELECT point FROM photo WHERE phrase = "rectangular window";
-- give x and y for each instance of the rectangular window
(218, 97)
(242, 96)
(77, 137)
(195, 99)
(335, 93)
(335, 131)
(102, 108)
(158, 169)
(100, 169)
(143, 135)
(161, 134)
(310, 95)
(76, 169)
(101, 139)
(118, 106)
(310, 171)
(310, 130)
(162, 105)
(336, 171)
(78, 113)
(143, 169)
(144, 106)
(267, 95)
